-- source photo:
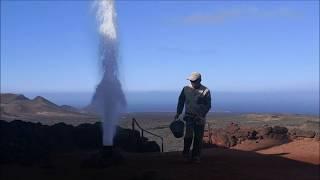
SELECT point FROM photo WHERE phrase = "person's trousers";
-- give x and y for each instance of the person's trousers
(194, 132)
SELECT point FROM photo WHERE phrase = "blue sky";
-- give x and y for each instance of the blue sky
(237, 46)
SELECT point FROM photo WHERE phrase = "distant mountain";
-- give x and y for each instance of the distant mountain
(17, 106)
(43, 101)
(9, 98)
(89, 109)
(70, 108)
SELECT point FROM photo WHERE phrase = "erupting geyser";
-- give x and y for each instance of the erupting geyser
(108, 100)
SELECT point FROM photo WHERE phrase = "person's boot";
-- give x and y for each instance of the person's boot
(186, 149)
(186, 156)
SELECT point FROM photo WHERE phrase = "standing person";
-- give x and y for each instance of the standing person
(196, 99)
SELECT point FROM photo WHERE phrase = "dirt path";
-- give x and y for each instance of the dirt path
(216, 164)
(306, 150)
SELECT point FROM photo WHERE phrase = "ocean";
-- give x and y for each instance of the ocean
(239, 102)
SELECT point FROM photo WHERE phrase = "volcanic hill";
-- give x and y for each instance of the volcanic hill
(40, 109)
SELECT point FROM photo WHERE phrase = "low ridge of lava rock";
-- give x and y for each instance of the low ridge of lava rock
(235, 134)
(302, 133)
(279, 130)
(33, 142)
(264, 131)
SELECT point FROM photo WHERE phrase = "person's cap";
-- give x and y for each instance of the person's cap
(194, 76)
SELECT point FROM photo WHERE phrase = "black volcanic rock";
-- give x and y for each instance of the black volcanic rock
(279, 130)
(32, 142)
(88, 136)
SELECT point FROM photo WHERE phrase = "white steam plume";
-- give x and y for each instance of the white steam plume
(108, 100)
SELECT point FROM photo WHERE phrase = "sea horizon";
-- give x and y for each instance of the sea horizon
(286, 102)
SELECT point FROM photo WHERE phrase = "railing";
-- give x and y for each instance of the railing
(135, 122)
(209, 133)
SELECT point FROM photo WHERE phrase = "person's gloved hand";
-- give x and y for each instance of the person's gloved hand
(176, 116)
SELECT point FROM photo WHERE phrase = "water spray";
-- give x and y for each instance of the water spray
(109, 100)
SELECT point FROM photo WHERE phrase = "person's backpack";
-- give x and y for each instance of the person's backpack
(177, 128)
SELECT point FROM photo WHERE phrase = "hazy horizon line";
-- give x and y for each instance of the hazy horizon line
(171, 91)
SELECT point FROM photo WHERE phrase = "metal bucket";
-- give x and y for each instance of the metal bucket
(177, 128)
